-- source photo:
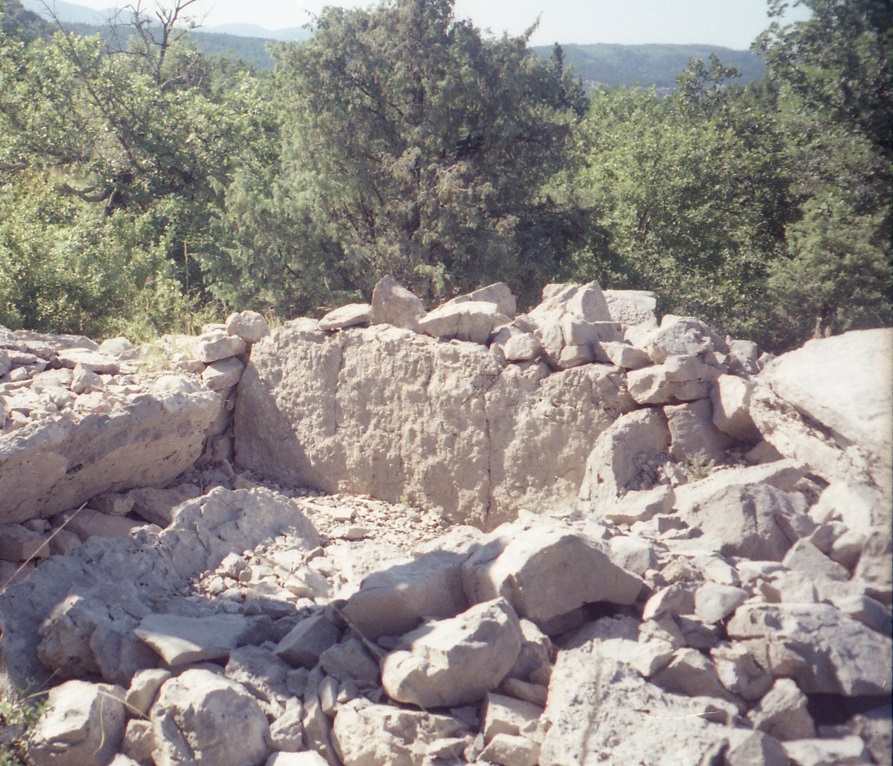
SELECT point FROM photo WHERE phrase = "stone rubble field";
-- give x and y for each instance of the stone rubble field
(392, 536)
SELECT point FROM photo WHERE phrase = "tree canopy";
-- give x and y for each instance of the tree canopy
(145, 186)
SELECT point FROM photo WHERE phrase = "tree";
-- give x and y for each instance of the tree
(832, 78)
(427, 147)
(133, 148)
(694, 191)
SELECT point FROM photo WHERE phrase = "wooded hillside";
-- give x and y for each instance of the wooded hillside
(146, 185)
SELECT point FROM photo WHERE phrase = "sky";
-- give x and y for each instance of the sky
(729, 23)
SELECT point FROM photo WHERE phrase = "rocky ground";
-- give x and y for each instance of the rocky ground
(696, 608)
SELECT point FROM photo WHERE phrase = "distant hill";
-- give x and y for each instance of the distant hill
(604, 64)
(600, 64)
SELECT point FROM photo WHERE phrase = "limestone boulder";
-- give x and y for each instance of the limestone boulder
(620, 455)
(217, 344)
(499, 293)
(58, 463)
(393, 304)
(247, 325)
(83, 636)
(818, 646)
(547, 573)
(599, 705)
(684, 336)
(678, 379)
(384, 412)
(397, 599)
(83, 725)
(693, 434)
(351, 315)
(471, 321)
(632, 307)
(811, 406)
(367, 734)
(183, 640)
(202, 717)
(748, 520)
(454, 662)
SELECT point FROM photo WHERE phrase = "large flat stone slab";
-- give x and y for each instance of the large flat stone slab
(57, 463)
(400, 416)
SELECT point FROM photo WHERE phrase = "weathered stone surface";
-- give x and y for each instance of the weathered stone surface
(499, 293)
(201, 717)
(683, 336)
(58, 463)
(182, 641)
(511, 750)
(83, 726)
(619, 456)
(365, 734)
(393, 304)
(83, 636)
(522, 348)
(305, 643)
(748, 520)
(382, 412)
(395, 600)
(783, 713)
(693, 434)
(848, 751)
(18, 543)
(95, 361)
(822, 649)
(87, 523)
(456, 661)
(247, 325)
(597, 705)
(216, 345)
(678, 379)
(731, 407)
(624, 355)
(157, 505)
(144, 689)
(351, 315)
(860, 506)
(471, 321)
(632, 307)
(810, 405)
(140, 572)
(546, 572)
(222, 375)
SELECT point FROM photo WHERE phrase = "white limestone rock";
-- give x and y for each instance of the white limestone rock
(678, 379)
(395, 600)
(632, 307)
(344, 317)
(223, 375)
(471, 321)
(547, 572)
(393, 304)
(181, 640)
(812, 405)
(454, 662)
(216, 345)
(821, 648)
(693, 434)
(250, 326)
(683, 336)
(366, 734)
(83, 725)
(201, 717)
(783, 713)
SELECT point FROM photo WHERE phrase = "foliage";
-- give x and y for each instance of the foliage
(833, 85)
(694, 191)
(17, 717)
(110, 164)
(426, 146)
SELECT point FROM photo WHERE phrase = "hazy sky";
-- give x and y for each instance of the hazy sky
(731, 23)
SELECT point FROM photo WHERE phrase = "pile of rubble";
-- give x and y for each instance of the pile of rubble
(714, 588)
